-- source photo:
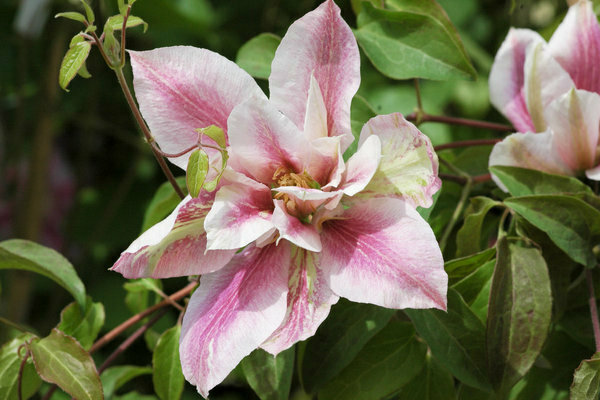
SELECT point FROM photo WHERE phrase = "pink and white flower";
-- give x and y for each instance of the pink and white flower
(312, 226)
(553, 89)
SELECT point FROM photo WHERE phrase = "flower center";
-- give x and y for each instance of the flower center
(283, 177)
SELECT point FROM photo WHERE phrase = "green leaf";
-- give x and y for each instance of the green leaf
(413, 40)
(519, 314)
(468, 238)
(572, 224)
(270, 377)
(10, 363)
(197, 169)
(75, 16)
(114, 377)
(461, 267)
(83, 326)
(135, 396)
(360, 112)
(163, 203)
(30, 256)
(83, 72)
(256, 55)
(59, 359)
(339, 339)
(122, 7)
(586, 381)
(357, 4)
(89, 12)
(167, 376)
(138, 291)
(525, 182)
(432, 383)
(215, 133)
(115, 23)
(72, 63)
(475, 289)
(388, 361)
(456, 338)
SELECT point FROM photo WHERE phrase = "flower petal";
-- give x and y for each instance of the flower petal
(575, 120)
(507, 77)
(180, 89)
(576, 46)
(263, 140)
(240, 214)
(408, 166)
(322, 45)
(294, 230)
(175, 246)
(545, 81)
(593, 173)
(362, 166)
(528, 150)
(315, 123)
(382, 252)
(232, 312)
(309, 300)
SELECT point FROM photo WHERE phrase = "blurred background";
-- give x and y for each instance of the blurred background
(76, 175)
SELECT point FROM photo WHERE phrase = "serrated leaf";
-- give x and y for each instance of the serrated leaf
(59, 359)
(519, 313)
(167, 376)
(197, 169)
(215, 133)
(256, 55)
(270, 377)
(432, 383)
(586, 381)
(413, 40)
(115, 23)
(461, 267)
(114, 377)
(30, 256)
(10, 363)
(468, 238)
(388, 361)
(525, 182)
(572, 224)
(88, 12)
(83, 326)
(72, 62)
(75, 16)
(456, 338)
(339, 339)
(163, 203)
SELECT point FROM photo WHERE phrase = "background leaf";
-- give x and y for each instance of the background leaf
(114, 377)
(270, 377)
(167, 376)
(469, 236)
(257, 54)
(163, 203)
(10, 363)
(434, 382)
(525, 182)
(586, 381)
(30, 256)
(83, 326)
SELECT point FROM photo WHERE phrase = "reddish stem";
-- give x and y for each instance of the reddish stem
(459, 121)
(172, 155)
(462, 180)
(593, 308)
(467, 143)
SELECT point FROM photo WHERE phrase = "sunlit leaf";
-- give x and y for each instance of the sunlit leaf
(30, 256)
(586, 381)
(83, 326)
(167, 376)
(525, 182)
(257, 54)
(215, 133)
(72, 63)
(270, 377)
(114, 377)
(519, 314)
(59, 359)
(197, 169)
(10, 363)
(163, 203)
(75, 16)
(88, 12)
(115, 23)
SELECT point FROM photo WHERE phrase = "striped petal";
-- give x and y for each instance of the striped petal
(232, 312)
(322, 45)
(180, 89)
(408, 166)
(309, 300)
(175, 246)
(291, 228)
(382, 252)
(362, 166)
(507, 77)
(576, 46)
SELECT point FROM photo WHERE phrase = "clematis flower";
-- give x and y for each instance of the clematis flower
(311, 226)
(553, 89)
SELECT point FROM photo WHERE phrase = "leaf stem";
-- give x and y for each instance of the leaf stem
(464, 197)
(467, 143)
(593, 308)
(21, 369)
(424, 117)
(461, 180)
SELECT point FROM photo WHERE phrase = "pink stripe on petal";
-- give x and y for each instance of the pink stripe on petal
(291, 228)
(174, 247)
(576, 46)
(507, 77)
(322, 45)
(263, 140)
(325, 163)
(232, 312)
(240, 214)
(382, 252)
(308, 302)
(408, 168)
(180, 89)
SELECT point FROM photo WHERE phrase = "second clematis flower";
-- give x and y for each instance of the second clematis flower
(311, 227)
(551, 92)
